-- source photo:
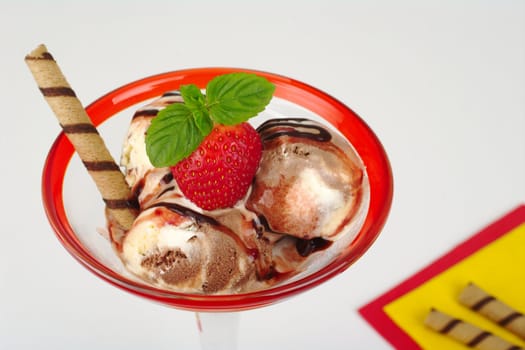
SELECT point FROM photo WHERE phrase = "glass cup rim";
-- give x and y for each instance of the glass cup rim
(353, 127)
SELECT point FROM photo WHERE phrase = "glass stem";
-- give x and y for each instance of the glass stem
(218, 330)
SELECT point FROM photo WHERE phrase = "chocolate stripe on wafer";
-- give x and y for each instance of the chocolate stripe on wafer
(57, 91)
(494, 309)
(101, 166)
(121, 204)
(41, 56)
(478, 339)
(448, 327)
(484, 301)
(80, 128)
(510, 318)
(84, 137)
(466, 333)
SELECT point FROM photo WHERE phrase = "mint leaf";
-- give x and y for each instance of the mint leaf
(203, 121)
(236, 97)
(192, 95)
(172, 136)
(196, 102)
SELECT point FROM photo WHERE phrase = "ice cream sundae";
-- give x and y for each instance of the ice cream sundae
(306, 189)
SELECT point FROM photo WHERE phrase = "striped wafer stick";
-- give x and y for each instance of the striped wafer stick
(466, 333)
(494, 309)
(85, 138)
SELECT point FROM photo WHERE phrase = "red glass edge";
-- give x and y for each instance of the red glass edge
(348, 122)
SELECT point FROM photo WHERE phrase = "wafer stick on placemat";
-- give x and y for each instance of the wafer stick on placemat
(85, 138)
(466, 333)
(494, 309)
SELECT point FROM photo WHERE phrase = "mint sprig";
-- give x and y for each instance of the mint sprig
(179, 129)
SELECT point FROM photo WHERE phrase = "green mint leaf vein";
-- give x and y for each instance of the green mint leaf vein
(230, 99)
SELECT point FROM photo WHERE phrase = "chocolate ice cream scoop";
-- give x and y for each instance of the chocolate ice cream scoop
(309, 182)
(175, 247)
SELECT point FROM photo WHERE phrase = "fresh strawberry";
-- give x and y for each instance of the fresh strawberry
(211, 150)
(219, 172)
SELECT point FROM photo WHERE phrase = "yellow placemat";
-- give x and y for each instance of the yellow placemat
(494, 259)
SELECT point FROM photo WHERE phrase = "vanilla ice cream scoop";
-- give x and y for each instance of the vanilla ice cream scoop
(309, 182)
(177, 248)
(134, 157)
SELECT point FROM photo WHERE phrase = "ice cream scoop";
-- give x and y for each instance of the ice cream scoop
(175, 247)
(134, 157)
(309, 182)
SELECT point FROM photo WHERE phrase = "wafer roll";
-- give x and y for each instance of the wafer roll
(466, 333)
(85, 138)
(494, 309)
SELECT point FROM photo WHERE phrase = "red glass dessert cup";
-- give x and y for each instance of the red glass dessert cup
(76, 220)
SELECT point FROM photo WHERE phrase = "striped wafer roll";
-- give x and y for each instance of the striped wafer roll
(494, 309)
(85, 138)
(466, 333)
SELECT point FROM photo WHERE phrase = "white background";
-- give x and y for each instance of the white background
(441, 82)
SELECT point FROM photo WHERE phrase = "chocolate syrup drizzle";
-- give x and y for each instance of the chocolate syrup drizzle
(139, 186)
(166, 190)
(171, 93)
(201, 218)
(167, 178)
(137, 189)
(152, 111)
(183, 211)
(290, 127)
(304, 247)
(145, 113)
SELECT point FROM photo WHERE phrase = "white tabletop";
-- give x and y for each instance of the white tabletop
(442, 83)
